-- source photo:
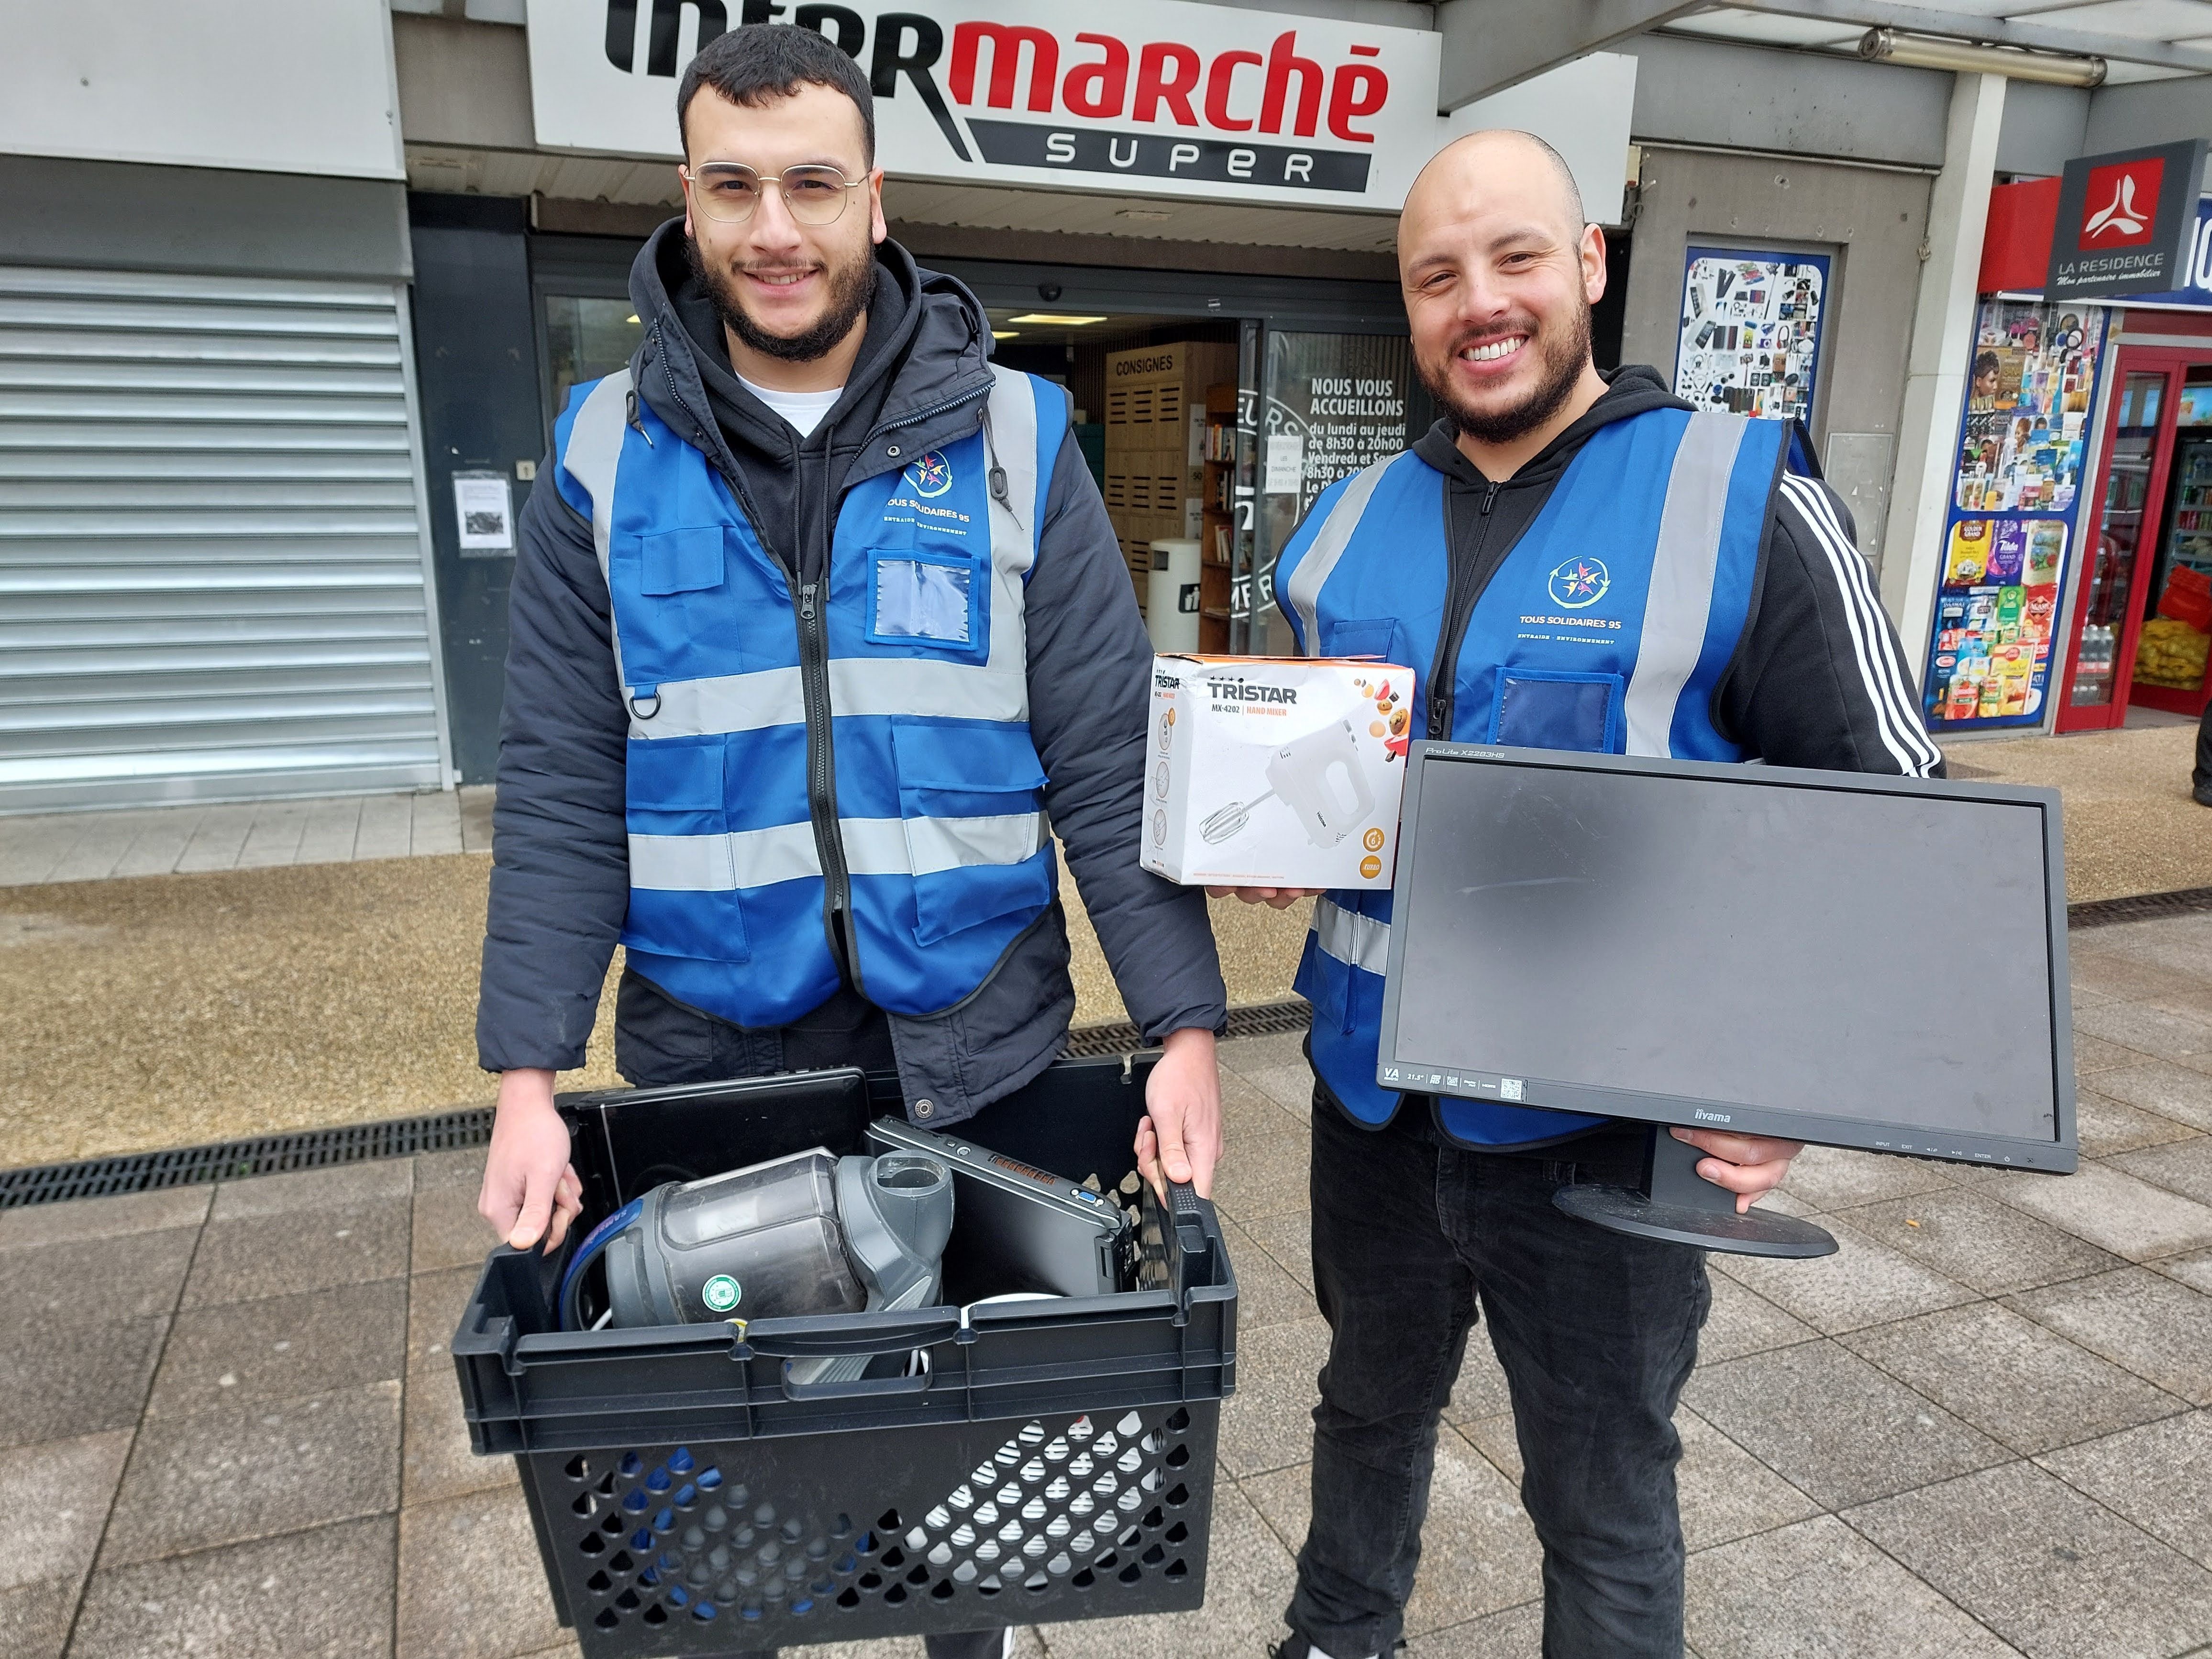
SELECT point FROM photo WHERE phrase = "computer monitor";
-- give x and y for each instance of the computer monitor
(1855, 960)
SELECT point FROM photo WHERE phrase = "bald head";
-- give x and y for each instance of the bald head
(1499, 161)
(1499, 270)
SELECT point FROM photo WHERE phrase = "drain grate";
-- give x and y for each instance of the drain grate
(229, 1160)
(444, 1132)
(2140, 907)
(1253, 1019)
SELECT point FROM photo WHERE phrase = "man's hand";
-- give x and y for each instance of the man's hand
(528, 1180)
(1181, 1128)
(1276, 898)
(1747, 1165)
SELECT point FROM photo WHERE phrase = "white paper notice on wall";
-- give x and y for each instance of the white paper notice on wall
(484, 507)
(1287, 463)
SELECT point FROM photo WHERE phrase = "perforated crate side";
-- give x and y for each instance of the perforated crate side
(697, 1548)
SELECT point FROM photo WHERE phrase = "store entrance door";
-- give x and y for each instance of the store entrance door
(2138, 444)
(2174, 599)
(2142, 629)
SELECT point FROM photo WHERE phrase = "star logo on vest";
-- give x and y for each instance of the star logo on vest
(1579, 582)
(930, 475)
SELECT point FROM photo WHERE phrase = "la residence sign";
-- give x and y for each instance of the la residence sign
(1151, 97)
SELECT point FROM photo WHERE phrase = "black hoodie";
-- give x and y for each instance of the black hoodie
(1818, 679)
(560, 881)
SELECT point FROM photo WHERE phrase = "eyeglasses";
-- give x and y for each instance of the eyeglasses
(730, 191)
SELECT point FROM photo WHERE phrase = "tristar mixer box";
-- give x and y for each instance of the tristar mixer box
(1275, 771)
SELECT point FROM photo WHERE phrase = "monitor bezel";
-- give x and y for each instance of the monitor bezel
(1406, 1074)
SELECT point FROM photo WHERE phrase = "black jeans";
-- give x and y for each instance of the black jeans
(1596, 1333)
(2201, 778)
(659, 1042)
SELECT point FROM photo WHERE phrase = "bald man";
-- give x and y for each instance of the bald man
(1576, 560)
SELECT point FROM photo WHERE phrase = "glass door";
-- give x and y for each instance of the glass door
(2176, 594)
(2108, 619)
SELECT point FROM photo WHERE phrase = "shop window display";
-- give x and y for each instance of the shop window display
(2024, 438)
(1751, 332)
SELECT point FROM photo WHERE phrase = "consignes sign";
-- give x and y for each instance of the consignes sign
(1151, 97)
(2124, 222)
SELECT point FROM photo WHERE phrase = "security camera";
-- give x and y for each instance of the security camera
(1047, 291)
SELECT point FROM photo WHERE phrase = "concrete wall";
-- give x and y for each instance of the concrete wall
(2042, 129)
(269, 86)
(1871, 222)
(1796, 103)
(462, 83)
(2148, 112)
(112, 215)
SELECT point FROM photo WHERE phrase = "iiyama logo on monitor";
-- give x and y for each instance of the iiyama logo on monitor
(1705, 1116)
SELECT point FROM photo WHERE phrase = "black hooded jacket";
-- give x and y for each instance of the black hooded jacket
(560, 880)
(1818, 679)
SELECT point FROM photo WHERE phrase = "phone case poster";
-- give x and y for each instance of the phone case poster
(1996, 615)
(1751, 332)
(2027, 407)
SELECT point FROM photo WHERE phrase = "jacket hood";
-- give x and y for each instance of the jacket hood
(927, 340)
(1632, 389)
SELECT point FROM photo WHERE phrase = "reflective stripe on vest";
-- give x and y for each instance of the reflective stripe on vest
(873, 847)
(745, 702)
(1363, 570)
(1356, 941)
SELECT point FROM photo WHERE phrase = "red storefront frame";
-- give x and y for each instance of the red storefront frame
(2166, 368)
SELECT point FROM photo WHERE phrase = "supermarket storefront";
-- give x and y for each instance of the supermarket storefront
(1183, 215)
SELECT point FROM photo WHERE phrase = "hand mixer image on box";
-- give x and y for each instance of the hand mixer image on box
(1319, 777)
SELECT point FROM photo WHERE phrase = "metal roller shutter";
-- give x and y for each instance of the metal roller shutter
(212, 575)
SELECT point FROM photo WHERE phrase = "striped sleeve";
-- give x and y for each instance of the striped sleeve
(1820, 680)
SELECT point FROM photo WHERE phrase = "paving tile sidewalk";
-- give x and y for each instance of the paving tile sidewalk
(1985, 1428)
(161, 840)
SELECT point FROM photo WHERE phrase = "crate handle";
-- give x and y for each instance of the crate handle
(927, 1327)
(1186, 1213)
(859, 1387)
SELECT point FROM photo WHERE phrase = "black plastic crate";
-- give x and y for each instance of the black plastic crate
(1055, 1462)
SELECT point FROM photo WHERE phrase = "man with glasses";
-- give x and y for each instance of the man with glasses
(819, 619)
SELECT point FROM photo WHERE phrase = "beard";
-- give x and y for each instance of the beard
(1561, 357)
(852, 284)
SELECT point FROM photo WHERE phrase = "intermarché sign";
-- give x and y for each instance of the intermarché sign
(1186, 97)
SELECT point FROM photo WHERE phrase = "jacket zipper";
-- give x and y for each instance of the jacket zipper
(1461, 591)
(814, 677)
(814, 701)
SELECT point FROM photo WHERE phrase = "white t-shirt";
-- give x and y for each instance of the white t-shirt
(803, 410)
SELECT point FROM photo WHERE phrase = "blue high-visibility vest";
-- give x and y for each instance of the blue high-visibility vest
(1608, 627)
(939, 829)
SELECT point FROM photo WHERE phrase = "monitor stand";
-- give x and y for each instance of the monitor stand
(1680, 1207)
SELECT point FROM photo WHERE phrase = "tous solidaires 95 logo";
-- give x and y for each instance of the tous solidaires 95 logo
(930, 475)
(1578, 582)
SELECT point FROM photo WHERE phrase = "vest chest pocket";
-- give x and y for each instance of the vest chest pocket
(971, 802)
(679, 561)
(1554, 708)
(1383, 638)
(918, 598)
